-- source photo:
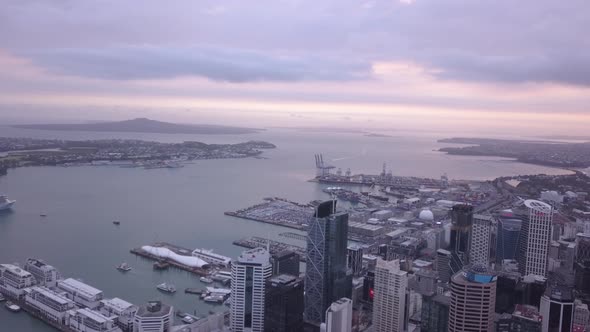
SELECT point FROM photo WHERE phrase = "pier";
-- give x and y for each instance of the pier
(178, 250)
(277, 211)
(291, 235)
(275, 247)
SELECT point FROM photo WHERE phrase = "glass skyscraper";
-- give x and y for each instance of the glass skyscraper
(327, 278)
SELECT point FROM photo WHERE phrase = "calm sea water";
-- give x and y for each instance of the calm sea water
(185, 206)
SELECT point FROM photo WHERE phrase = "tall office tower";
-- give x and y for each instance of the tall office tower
(526, 318)
(154, 317)
(443, 259)
(473, 298)
(327, 278)
(582, 265)
(461, 224)
(283, 304)
(435, 313)
(285, 262)
(339, 316)
(391, 297)
(248, 277)
(557, 309)
(535, 237)
(508, 233)
(355, 259)
(481, 238)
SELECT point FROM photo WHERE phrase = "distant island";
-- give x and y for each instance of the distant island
(144, 125)
(546, 153)
(376, 135)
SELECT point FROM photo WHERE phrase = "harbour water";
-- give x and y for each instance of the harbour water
(185, 206)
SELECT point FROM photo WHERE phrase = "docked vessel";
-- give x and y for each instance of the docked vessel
(206, 280)
(168, 288)
(6, 203)
(2, 298)
(124, 267)
(214, 299)
(12, 307)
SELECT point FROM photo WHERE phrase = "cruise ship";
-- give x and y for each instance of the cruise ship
(5, 203)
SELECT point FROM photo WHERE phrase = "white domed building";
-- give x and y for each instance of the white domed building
(426, 215)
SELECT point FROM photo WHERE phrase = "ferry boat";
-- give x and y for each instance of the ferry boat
(11, 306)
(206, 280)
(6, 203)
(124, 267)
(168, 288)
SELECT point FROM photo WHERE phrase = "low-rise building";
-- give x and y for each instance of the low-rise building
(49, 303)
(212, 258)
(45, 275)
(153, 317)
(84, 295)
(14, 280)
(365, 229)
(121, 311)
(86, 320)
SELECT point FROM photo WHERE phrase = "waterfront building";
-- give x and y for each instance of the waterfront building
(355, 259)
(283, 304)
(557, 309)
(535, 237)
(435, 312)
(508, 235)
(45, 275)
(87, 320)
(473, 299)
(390, 305)
(481, 238)
(249, 274)
(285, 262)
(84, 295)
(122, 311)
(49, 304)
(14, 280)
(339, 316)
(443, 260)
(526, 318)
(212, 258)
(154, 316)
(327, 278)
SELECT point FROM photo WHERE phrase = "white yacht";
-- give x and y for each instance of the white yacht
(5, 203)
(168, 288)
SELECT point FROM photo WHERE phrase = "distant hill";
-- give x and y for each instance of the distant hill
(143, 125)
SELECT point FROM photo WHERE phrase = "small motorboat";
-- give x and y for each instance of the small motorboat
(11, 306)
(206, 280)
(124, 267)
(43, 215)
(188, 319)
(116, 222)
(168, 288)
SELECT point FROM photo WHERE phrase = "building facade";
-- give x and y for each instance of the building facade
(390, 303)
(249, 274)
(14, 281)
(122, 311)
(339, 316)
(284, 304)
(535, 237)
(557, 309)
(87, 320)
(49, 303)
(154, 316)
(84, 295)
(327, 278)
(443, 260)
(508, 235)
(473, 299)
(285, 262)
(45, 275)
(481, 238)
(435, 313)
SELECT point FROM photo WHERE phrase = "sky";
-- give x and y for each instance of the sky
(446, 65)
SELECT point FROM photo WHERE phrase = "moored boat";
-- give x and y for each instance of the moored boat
(206, 280)
(124, 267)
(165, 287)
(11, 306)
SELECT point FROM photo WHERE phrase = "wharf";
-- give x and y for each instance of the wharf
(274, 246)
(267, 221)
(178, 250)
(277, 211)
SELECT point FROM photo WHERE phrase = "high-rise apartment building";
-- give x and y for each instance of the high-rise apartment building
(249, 274)
(327, 277)
(481, 238)
(535, 237)
(391, 297)
(473, 299)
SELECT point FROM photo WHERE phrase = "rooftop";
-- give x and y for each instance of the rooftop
(537, 205)
(117, 303)
(15, 270)
(153, 309)
(527, 312)
(79, 287)
(51, 294)
(95, 316)
(254, 256)
(282, 279)
(364, 226)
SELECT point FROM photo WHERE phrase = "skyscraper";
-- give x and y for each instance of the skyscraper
(557, 309)
(339, 316)
(481, 236)
(473, 298)
(461, 224)
(355, 259)
(443, 259)
(508, 234)
(327, 278)
(285, 262)
(284, 304)
(249, 274)
(435, 313)
(389, 305)
(535, 237)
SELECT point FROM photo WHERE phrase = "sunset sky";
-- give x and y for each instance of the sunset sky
(487, 65)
